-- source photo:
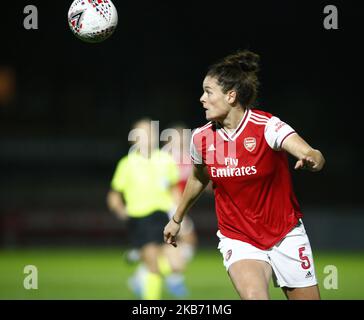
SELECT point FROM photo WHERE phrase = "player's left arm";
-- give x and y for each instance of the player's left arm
(308, 157)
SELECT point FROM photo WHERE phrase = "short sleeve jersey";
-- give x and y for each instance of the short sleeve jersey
(146, 182)
(254, 197)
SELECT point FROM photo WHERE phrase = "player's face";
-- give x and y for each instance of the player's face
(214, 100)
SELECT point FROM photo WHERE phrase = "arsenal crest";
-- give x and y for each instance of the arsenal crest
(250, 143)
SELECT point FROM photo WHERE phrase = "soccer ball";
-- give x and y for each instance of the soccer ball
(92, 20)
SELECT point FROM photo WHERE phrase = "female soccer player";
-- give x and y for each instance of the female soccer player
(244, 152)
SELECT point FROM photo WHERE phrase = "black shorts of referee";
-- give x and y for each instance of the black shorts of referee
(149, 229)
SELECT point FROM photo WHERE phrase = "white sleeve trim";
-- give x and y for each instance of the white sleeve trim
(276, 131)
(195, 156)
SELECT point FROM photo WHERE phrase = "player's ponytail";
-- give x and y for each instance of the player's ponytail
(238, 71)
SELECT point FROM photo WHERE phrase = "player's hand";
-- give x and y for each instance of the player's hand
(170, 232)
(311, 163)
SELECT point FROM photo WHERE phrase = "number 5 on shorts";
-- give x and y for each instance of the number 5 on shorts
(306, 262)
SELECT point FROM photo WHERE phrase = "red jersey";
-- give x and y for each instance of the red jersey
(254, 196)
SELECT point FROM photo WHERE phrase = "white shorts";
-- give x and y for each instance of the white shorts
(291, 259)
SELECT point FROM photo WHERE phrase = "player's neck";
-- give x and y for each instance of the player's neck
(233, 119)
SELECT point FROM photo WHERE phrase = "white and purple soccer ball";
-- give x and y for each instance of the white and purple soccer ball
(92, 20)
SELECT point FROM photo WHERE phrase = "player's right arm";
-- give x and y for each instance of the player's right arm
(196, 183)
(115, 203)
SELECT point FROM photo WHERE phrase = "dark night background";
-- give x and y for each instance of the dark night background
(68, 106)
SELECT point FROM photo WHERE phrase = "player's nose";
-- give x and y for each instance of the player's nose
(202, 98)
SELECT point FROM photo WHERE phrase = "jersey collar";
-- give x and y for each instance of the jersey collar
(238, 130)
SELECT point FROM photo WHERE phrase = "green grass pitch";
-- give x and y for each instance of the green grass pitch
(102, 274)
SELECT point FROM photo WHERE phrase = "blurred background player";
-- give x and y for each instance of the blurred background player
(142, 195)
(146, 188)
(179, 257)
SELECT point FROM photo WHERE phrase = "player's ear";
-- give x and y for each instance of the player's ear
(231, 96)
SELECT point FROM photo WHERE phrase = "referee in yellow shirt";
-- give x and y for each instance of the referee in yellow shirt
(142, 193)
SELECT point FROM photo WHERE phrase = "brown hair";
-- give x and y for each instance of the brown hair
(238, 71)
